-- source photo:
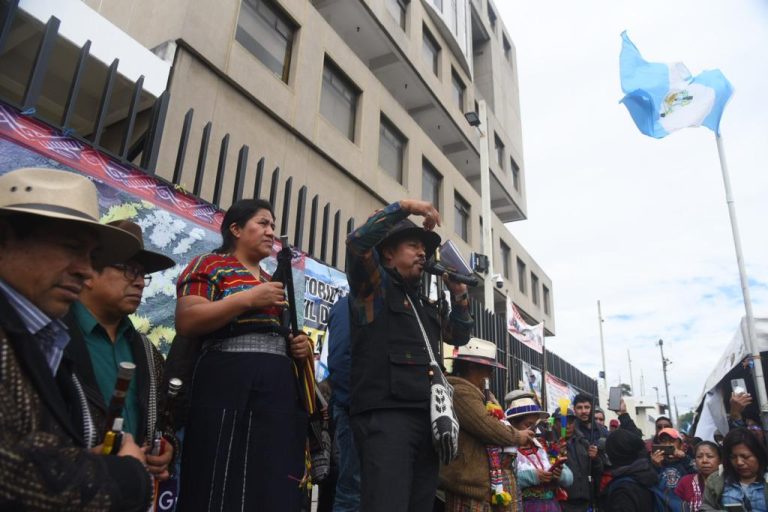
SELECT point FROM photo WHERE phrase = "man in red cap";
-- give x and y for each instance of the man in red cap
(390, 381)
(103, 336)
(672, 464)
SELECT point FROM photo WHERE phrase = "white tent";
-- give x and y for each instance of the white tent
(712, 413)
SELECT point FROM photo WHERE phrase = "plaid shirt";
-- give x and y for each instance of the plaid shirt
(51, 335)
(368, 279)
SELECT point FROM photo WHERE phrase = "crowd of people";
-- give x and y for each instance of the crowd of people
(405, 432)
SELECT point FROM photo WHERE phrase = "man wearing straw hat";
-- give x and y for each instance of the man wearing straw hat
(481, 473)
(103, 336)
(49, 238)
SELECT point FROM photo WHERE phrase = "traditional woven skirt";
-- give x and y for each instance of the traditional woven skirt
(245, 436)
(536, 505)
(454, 503)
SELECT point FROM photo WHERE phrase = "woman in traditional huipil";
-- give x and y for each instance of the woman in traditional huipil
(246, 431)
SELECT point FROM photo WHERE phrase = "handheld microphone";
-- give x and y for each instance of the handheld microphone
(436, 268)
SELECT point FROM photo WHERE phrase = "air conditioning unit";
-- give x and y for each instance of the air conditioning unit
(478, 262)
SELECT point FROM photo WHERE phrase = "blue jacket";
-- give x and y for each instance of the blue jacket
(669, 476)
(339, 358)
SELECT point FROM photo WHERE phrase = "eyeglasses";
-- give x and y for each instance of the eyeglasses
(131, 272)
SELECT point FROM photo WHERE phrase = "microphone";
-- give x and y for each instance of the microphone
(437, 269)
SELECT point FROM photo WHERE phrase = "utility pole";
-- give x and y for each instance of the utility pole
(631, 380)
(642, 383)
(602, 343)
(485, 196)
(664, 363)
(677, 414)
(657, 393)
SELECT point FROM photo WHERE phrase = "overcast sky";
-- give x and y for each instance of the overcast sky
(638, 223)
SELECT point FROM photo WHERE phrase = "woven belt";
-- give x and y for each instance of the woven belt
(268, 343)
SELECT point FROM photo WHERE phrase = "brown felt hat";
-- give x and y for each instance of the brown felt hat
(150, 260)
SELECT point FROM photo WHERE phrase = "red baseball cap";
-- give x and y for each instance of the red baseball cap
(671, 432)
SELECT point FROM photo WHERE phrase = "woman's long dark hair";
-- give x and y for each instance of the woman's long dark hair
(239, 213)
(742, 436)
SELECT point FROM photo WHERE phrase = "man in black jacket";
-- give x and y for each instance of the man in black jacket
(103, 336)
(586, 466)
(390, 380)
(628, 486)
(49, 234)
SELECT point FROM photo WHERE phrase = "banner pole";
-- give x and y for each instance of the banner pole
(544, 398)
(762, 397)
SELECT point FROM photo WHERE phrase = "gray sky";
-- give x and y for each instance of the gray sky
(640, 223)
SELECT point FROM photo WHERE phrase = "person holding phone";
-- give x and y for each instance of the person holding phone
(742, 482)
(537, 478)
(671, 464)
(691, 487)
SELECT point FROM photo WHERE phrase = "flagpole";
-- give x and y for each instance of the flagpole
(544, 374)
(762, 397)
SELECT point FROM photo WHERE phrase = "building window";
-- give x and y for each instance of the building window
(482, 237)
(499, 146)
(492, 17)
(547, 306)
(515, 173)
(438, 5)
(391, 150)
(338, 101)
(267, 32)
(507, 48)
(430, 184)
(397, 9)
(522, 282)
(506, 256)
(431, 50)
(461, 219)
(458, 90)
(534, 289)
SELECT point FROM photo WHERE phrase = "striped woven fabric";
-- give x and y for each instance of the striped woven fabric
(216, 276)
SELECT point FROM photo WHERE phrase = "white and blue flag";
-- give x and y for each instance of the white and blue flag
(662, 98)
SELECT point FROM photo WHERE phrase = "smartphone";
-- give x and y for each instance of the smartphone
(668, 449)
(738, 386)
(614, 399)
(734, 507)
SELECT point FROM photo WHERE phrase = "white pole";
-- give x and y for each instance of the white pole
(762, 398)
(602, 344)
(485, 197)
(631, 380)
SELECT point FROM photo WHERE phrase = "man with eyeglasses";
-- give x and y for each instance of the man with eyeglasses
(103, 336)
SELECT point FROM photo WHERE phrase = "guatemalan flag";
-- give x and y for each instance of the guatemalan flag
(662, 98)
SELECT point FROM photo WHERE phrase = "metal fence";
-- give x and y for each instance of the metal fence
(325, 223)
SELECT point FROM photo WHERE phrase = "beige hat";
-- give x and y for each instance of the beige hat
(64, 196)
(478, 351)
(523, 406)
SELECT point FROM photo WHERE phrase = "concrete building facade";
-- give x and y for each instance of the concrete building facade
(363, 100)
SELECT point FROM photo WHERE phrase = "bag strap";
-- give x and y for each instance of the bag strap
(421, 328)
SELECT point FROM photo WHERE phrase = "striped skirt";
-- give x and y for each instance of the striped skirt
(245, 436)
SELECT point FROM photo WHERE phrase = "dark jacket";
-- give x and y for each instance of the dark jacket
(148, 376)
(44, 464)
(390, 363)
(630, 488)
(339, 357)
(582, 467)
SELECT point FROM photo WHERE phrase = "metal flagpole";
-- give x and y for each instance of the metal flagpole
(544, 399)
(762, 397)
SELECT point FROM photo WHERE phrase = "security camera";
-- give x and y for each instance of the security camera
(498, 280)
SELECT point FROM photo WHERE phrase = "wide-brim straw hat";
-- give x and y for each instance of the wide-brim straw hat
(69, 197)
(407, 229)
(478, 351)
(523, 407)
(150, 260)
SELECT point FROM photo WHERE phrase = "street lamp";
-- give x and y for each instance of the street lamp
(479, 120)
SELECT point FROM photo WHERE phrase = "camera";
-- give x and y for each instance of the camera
(497, 280)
